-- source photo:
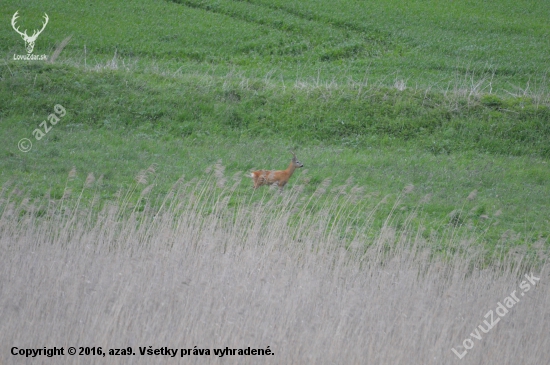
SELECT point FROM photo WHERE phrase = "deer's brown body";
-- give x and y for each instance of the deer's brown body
(278, 177)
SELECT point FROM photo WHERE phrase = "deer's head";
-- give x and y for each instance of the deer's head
(295, 161)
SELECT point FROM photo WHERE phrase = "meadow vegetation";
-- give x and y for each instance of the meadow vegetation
(424, 129)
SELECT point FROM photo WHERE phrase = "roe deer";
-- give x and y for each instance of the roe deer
(280, 177)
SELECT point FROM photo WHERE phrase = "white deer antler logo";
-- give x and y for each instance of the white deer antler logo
(29, 41)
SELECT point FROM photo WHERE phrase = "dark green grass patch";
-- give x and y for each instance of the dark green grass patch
(187, 107)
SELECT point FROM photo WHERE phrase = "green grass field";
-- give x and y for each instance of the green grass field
(448, 97)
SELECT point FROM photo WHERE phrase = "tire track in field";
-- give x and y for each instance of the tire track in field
(292, 30)
(259, 19)
(337, 39)
(343, 25)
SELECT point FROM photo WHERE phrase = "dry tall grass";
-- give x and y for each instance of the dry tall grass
(199, 271)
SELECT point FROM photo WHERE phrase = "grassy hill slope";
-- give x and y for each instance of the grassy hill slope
(450, 98)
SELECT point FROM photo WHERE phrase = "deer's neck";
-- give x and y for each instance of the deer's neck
(290, 169)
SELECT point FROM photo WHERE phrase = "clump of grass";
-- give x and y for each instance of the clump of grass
(59, 49)
(197, 270)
